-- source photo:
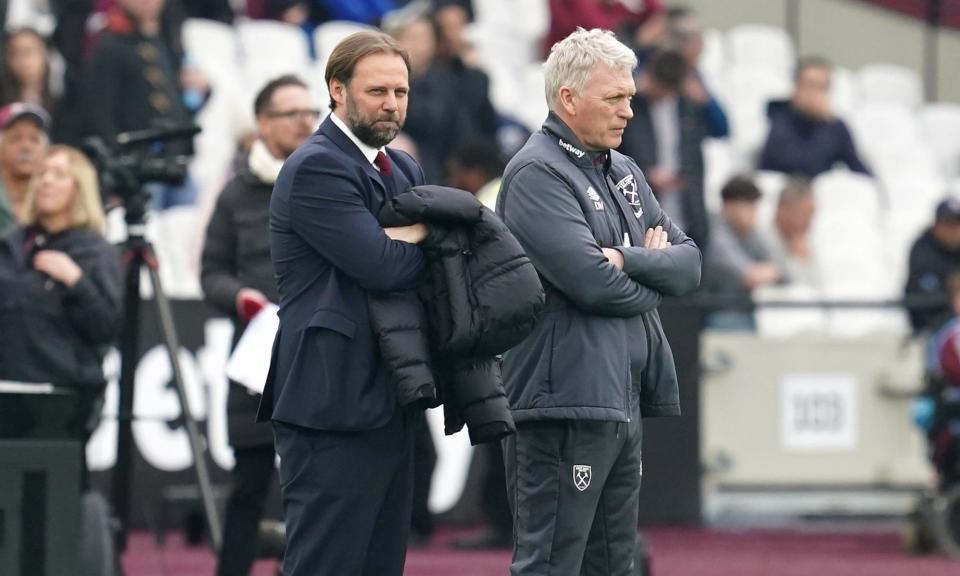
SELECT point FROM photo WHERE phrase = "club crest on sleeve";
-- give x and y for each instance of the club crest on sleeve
(582, 474)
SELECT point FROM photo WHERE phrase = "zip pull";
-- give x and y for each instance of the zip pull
(626, 239)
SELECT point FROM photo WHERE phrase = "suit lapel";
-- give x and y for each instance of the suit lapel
(331, 131)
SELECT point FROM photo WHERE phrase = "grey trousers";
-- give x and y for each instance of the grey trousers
(574, 488)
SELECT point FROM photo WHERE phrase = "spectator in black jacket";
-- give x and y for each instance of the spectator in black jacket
(237, 279)
(805, 136)
(934, 257)
(452, 103)
(60, 290)
(665, 138)
(136, 80)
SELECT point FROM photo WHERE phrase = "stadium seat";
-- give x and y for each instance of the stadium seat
(841, 193)
(326, 36)
(758, 45)
(890, 84)
(771, 184)
(533, 105)
(843, 91)
(940, 127)
(889, 139)
(176, 238)
(269, 43)
(713, 61)
(784, 322)
(720, 164)
(213, 47)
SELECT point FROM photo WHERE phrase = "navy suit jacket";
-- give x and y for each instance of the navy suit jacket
(328, 252)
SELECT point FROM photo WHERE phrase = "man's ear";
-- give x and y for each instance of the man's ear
(567, 100)
(338, 91)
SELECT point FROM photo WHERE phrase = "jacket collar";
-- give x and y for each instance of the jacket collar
(571, 145)
(340, 138)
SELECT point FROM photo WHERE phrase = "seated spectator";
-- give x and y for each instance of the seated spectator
(665, 138)
(136, 80)
(805, 137)
(23, 140)
(934, 257)
(738, 260)
(789, 241)
(26, 70)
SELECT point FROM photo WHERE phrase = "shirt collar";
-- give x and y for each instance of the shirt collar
(369, 152)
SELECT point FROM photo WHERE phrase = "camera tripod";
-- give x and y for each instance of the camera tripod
(138, 255)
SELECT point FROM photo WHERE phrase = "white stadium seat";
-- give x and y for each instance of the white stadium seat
(269, 43)
(890, 84)
(759, 45)
(940, 127)
(212, 46)
(327, 35)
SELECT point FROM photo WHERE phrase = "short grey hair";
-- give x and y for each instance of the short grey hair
(572, 59)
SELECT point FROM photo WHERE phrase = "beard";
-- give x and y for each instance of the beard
(375, 133)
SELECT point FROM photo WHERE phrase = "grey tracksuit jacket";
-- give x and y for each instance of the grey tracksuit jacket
(600, 341)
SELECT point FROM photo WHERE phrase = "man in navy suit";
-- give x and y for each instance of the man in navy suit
(345, 445)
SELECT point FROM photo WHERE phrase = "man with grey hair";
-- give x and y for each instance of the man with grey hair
(598, 361)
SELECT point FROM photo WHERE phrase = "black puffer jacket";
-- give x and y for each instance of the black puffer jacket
(482, 297)
(52, 333)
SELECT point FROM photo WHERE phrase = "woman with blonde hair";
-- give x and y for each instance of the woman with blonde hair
(60, 290)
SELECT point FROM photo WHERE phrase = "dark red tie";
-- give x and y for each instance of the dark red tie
(383, 163)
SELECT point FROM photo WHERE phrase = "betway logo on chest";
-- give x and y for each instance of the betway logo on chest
(571, 148)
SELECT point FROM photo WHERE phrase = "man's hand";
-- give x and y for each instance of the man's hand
(249, 301)
(59, 266)
(761, 274)
(614, 256)
(656, 239)
(413, 234)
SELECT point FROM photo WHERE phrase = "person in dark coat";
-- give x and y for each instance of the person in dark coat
(665, 139)
(237, 279)
(598, 360)
(452, 103)
(805, 136)
(345, 444)
(934, 258)
(60, 288)
(136, 79)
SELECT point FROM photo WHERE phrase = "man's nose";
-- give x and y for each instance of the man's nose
(390, 102)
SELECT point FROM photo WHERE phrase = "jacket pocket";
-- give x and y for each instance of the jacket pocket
(325, 348)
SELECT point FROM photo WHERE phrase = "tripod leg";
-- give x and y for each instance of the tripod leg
(129, 347)
(197, 445)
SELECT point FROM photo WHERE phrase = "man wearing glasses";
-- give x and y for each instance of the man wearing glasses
(237, 279)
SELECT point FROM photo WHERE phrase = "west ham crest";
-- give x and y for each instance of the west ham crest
(581, 476)
(628, 186)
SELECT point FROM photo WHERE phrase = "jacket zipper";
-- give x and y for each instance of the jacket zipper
(626, 236)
